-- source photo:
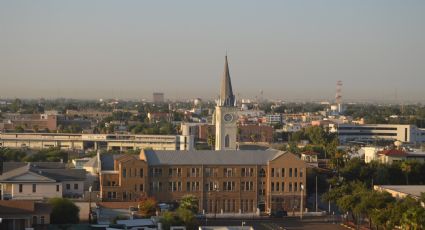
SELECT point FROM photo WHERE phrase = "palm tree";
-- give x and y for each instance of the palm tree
(406, 168)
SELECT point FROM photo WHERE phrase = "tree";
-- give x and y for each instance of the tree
(187, 217)
(147, 207)
(64, 211)
(189, 202)
(406, 168)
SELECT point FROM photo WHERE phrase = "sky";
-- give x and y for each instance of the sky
(289, 50)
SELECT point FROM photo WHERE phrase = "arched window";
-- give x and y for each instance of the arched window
(226, 141)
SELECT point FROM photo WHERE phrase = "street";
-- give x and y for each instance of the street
(277, 223)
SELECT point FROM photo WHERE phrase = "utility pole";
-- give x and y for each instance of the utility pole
(329, 201)
(316, 194)
(90, 189)
(301, 206)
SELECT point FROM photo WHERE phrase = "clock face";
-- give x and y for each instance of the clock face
(228, 117)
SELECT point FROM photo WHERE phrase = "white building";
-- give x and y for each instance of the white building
(371, 132)
(72, 141)
(39, 181)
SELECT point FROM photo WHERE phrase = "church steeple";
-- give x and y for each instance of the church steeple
(227, 98)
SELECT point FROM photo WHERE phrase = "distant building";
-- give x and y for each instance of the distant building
(160, 116)
(401, 191)
(71, 141)
(274, 119)
(371, 153)
(158, 98)
(255, 133)
(92, 114)
(372, 132)
(29, 122)
(390, 156)
(310, 157)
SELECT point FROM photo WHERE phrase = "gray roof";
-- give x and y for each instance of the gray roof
(56, 174)
(8, 166)
(227, 98)
(413, 190)
(209, 157)
(107, 161)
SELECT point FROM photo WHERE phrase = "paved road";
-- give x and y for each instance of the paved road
(288, 223)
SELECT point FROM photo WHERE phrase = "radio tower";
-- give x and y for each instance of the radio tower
(338, 96)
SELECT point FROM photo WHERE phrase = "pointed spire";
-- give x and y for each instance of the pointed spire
(226, 94)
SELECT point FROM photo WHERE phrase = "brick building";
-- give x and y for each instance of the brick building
(223, 181)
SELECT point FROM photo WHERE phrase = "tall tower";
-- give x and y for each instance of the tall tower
(226, 114)
(338, 96)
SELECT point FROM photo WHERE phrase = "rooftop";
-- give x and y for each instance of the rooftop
(393, 153)
(413, 190)
(210, 157)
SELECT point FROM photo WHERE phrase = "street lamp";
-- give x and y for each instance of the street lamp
(90, 189)
(301, 206)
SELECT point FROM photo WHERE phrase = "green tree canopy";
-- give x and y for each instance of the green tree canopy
(64, 211)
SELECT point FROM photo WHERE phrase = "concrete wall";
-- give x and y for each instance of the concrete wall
(43, 191)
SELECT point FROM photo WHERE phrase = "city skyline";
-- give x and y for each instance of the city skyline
(288, 50)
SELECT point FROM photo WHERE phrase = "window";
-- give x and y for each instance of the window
(188, 186)
(272, 172)
(20, 188)
(228, 172)
(290, 186)
(141, 187)
(124, 172)
(76, 186)
(262, 173)
(283, 172)
(277, 186)
(290, 172)
(141, 172)
(68, 186)
(194, 172)
(34, 188)
(247, 172)
(283, 186)
(155, 172)
(41, 219)
(57, 188)
(301, 172)
(34, 220)
(272, 187)
(229, 185)
(227, 141)
(295, 172)
(295, 186)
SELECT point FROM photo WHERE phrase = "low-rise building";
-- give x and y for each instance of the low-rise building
(74, 141)
(310, 157)
(24, 214)
(35, 181)
(223, 181)
(401, 191)
(372, 132)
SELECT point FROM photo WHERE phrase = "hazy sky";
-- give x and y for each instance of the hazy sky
(289, 49)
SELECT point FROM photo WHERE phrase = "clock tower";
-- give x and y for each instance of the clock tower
(226, 114)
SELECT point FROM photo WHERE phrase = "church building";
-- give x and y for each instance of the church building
(226, 114)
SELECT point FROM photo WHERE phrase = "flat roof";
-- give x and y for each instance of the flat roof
(413, 190)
